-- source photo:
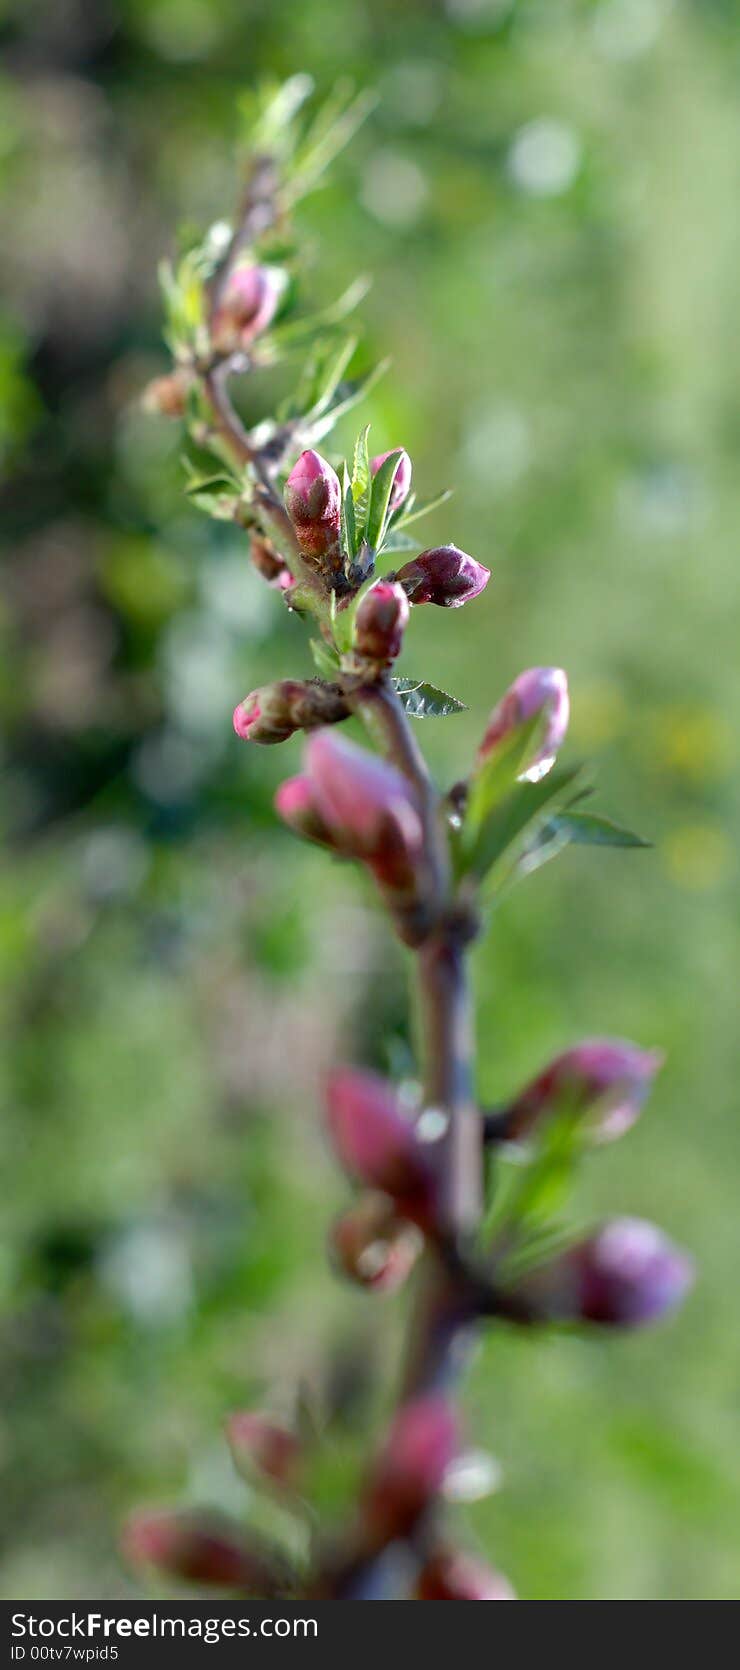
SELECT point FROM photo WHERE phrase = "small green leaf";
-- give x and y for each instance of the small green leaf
(349, 527)
(497, 774)
(415, 509)
(382, 487)
(586, 829)
(509, 819)
(325, 659)
(361, 480)
(425, 701)
(349, 394)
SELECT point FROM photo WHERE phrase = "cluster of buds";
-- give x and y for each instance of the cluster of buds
(246, 308)
(277, 711)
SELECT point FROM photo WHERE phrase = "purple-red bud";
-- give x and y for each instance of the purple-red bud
(626, 1274)
(295, 803)
(402, 478)
(380, 623)
(313, 497)
(445, 576)
(377, 1144)
(247, 306)
(269, 563)
(606, 1080)
(201, 1548)
(410, 1470)
(372, 1246)
(366, 804)
(264, 1449)
(451, 1575)
(274, 712)
(541, 692)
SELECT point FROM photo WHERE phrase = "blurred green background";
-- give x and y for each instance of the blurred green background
(547, 198)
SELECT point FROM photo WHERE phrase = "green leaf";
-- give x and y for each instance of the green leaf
(425, 701)
(349, 527)
(496, 775)
(509, 819)
(333, 128)
(296, 332)
(396, 544)
(349, 395)
(587, 829)
(325, 659)
(380, 493)
(361, 480)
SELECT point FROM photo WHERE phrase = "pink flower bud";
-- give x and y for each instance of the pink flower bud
(366, 803)
(604, 1079)
(277, 710)
(540, 692)
(200, 1548)
(410, 1470)
(262, 1448)
(373, 1246)
(402, 478)
(626, 1274)
(168, 396)
(445, 576)
(380, 622)
(450, 1575)
(247, 306)
(377, 1144)
(313, 497)
(295, 804)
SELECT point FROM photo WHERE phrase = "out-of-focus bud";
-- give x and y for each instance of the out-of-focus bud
(445, 576)
(366, 804)
(380, 623)
(277, 710)
(313, 499)
(295, 803)
(263, 1449)
(167, 396)
(373, 1246)
(605, 1080)
(451, 1575)
(540, 693)
(410, 1469)
(626, 1274)
(402, 478)
(269, 563)
(377, 1144)
(201, 1548)
(247, 306)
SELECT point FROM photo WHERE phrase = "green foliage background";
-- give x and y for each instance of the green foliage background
(546, 197)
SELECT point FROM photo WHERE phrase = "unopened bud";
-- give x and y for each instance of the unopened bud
(380, 623)
(313, 499)
(402, 478)
(246, 308)
(451, 1575)
(445, 576)
(201, 1548)
(372, 1246)
(377, 1144)
(269, 563)
(366, 804)
(276, 711)
(604, 1080)
(295, 803)
(626, 1274)
(540, 693)
(167, 396)
(263, 1449)
(410, 1469)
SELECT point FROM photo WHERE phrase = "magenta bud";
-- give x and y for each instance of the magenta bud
(380, 623)
(366, 803)
(402, 478)
(604, 1079)
(626, 1274)
(313, 497)
(540, 693)
(274, 712)
(445, 576)
(263, 1449)
(372, 1246)
(247, 306)
(377, 1144)
(410, 1470)
(200, 1548)
(451, 1575)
